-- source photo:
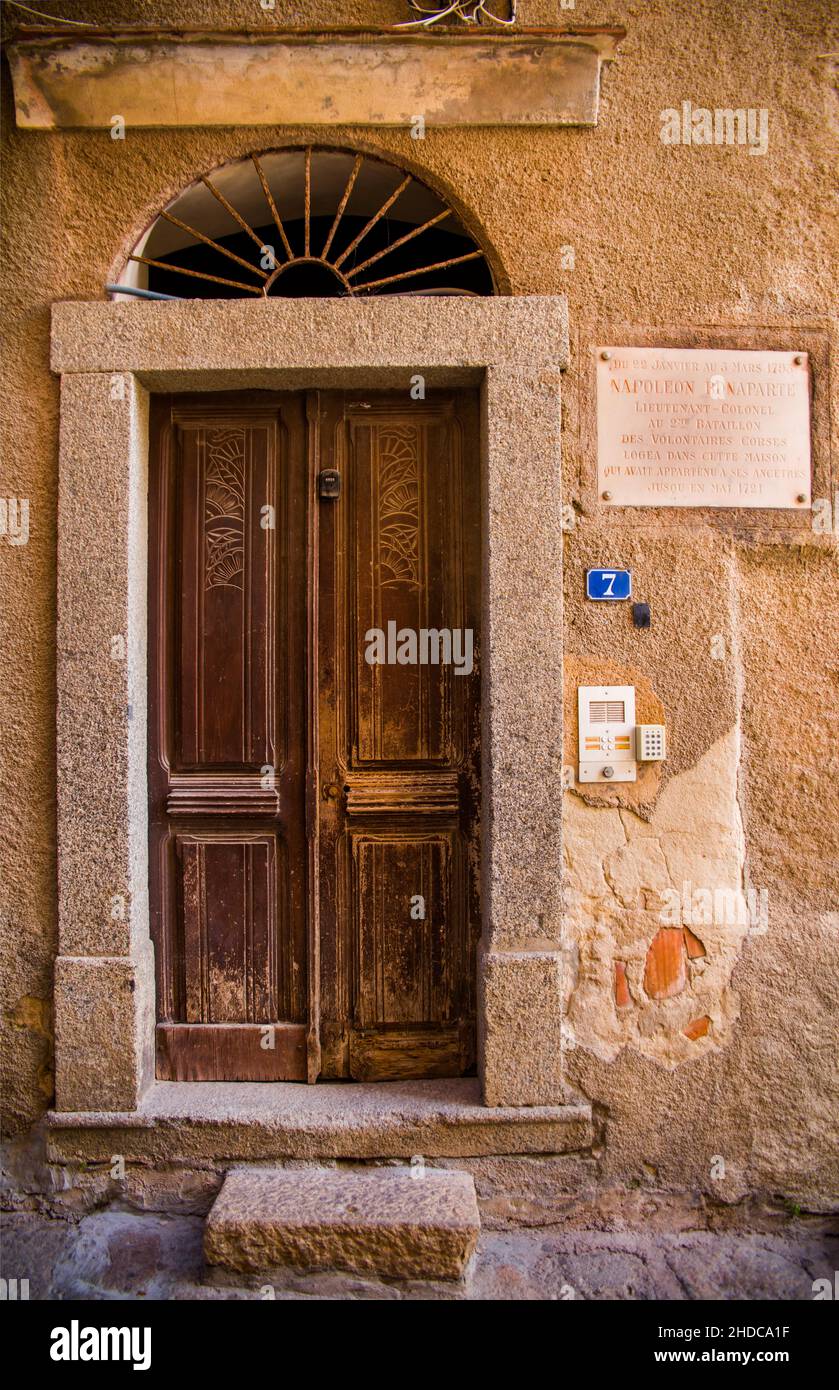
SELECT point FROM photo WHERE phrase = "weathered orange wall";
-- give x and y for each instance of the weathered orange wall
(663, 239)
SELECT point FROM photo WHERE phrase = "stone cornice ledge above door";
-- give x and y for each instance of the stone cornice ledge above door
(533, 77)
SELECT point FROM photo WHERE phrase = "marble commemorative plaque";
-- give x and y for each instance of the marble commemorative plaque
(684, 427)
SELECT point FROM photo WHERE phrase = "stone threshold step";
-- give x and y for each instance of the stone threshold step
(179, 1121)
(384, 1222)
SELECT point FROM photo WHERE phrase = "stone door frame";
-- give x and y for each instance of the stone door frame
(110, 357)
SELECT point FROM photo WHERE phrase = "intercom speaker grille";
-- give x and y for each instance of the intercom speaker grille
(607, 712)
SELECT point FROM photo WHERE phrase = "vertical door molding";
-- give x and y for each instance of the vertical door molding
(313, 466)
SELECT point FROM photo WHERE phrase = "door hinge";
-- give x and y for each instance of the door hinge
(329, 483)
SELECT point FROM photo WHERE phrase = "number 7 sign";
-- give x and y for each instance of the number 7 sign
(608, 584)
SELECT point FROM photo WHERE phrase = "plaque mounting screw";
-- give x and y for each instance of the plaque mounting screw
(802, 497)
(798, 361)
(607, 496)
(604, 356)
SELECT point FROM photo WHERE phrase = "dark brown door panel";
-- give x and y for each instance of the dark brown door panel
(227, 764)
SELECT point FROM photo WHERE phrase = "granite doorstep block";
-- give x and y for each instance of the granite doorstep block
(384, 1221)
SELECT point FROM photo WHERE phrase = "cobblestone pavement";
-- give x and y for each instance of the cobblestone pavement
(117, 1254)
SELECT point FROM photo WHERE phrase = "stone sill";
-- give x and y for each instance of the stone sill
(185, 1121)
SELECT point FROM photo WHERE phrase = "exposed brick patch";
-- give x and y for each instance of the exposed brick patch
(623, 999)
(693, 945)
(698, 1028)
(664, 973)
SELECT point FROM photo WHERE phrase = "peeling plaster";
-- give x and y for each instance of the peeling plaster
(623, 874)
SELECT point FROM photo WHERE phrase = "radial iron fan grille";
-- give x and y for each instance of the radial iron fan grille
(308, 222)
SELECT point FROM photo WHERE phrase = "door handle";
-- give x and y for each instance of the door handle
(331, 791)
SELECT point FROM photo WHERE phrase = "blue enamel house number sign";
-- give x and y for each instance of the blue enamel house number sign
(608, 584)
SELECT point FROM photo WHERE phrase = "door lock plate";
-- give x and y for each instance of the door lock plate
(329, 483)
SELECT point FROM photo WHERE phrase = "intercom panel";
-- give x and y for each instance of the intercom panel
(607, 733)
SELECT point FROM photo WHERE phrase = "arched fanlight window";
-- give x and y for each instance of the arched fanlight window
(307, 222)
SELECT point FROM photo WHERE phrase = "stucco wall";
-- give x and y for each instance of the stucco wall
(663, 239)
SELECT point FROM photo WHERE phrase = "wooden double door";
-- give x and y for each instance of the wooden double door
(314, 734)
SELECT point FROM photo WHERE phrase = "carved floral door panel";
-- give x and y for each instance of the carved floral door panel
(313, 817)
